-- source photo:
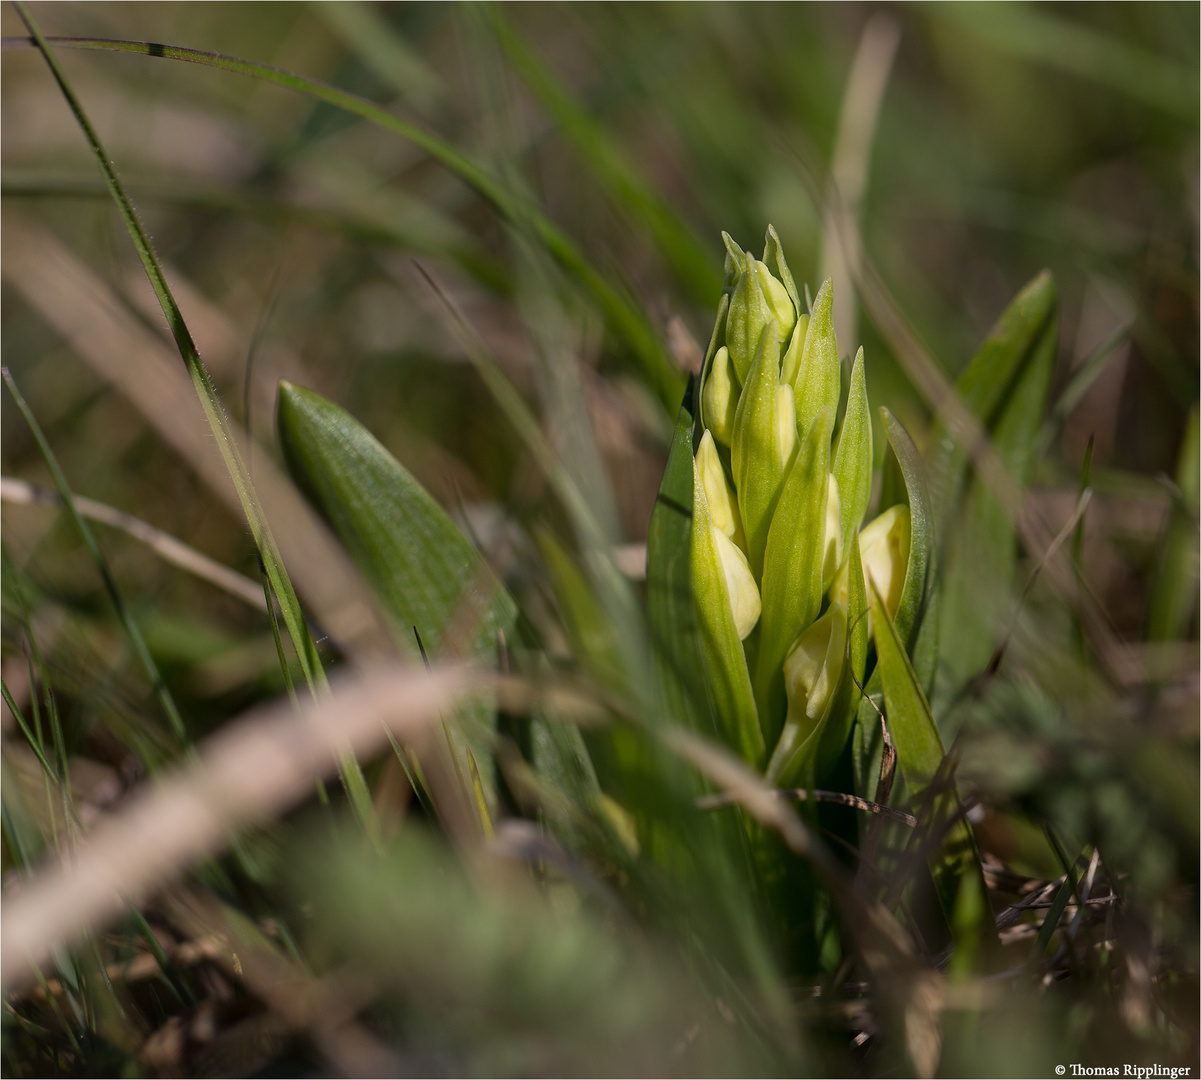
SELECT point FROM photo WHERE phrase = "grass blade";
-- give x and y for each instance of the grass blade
(692, 262)
(625, 317)
(174, 719)
(214, 411)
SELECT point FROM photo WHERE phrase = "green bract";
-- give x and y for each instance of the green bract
(775, 505)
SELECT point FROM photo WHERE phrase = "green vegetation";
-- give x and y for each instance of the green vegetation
(461, 618)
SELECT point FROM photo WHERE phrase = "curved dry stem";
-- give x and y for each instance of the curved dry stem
(257, 765)
(167, 547)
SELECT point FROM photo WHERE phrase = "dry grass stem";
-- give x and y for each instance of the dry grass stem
(257, 766)
(167, 547)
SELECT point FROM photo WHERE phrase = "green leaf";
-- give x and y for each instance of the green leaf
(792, 571)
(918, 596)
(1043, 36)
(420, 564)
(978, 588)
(759, 457)
(670, 606)
(427, 574)
(986, 383)
(728, 676)
(817, 378)
(853, 459)
(919, 746)
(919, 575)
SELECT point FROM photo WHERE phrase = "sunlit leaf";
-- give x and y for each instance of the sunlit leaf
(670, 606)
(853, 458)
(918, 596)
(728, 675)
(1007, 384)
(792, 571)
(425, 571)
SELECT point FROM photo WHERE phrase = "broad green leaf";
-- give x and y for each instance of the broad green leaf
(919, 576)
(853, 459)
(919, 746)
(978, 587)
(763, 448)
(420, 564)
(670, 606)
(958, 876)
(425, 571)
(918, 596)
(792, 571)
(985, 385)
(728, 676)
(816, 386)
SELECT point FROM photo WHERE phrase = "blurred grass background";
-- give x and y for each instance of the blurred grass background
(1011, 137)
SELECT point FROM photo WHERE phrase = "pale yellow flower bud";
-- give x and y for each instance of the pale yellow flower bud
(884, 552)
(832, 558)
(814, 666)
(790, 366)
(721, 397)
(785, 424)
(740, 584)
(723, 503)
(778, 300)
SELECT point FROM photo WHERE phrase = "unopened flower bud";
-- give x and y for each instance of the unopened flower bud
(832, 547)
(814, 666)
(785, 424)
(884, 552)
(778, 301)
(721, 397)
(790, 366)
(757, 299)
(723, 504)
(745, 605)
